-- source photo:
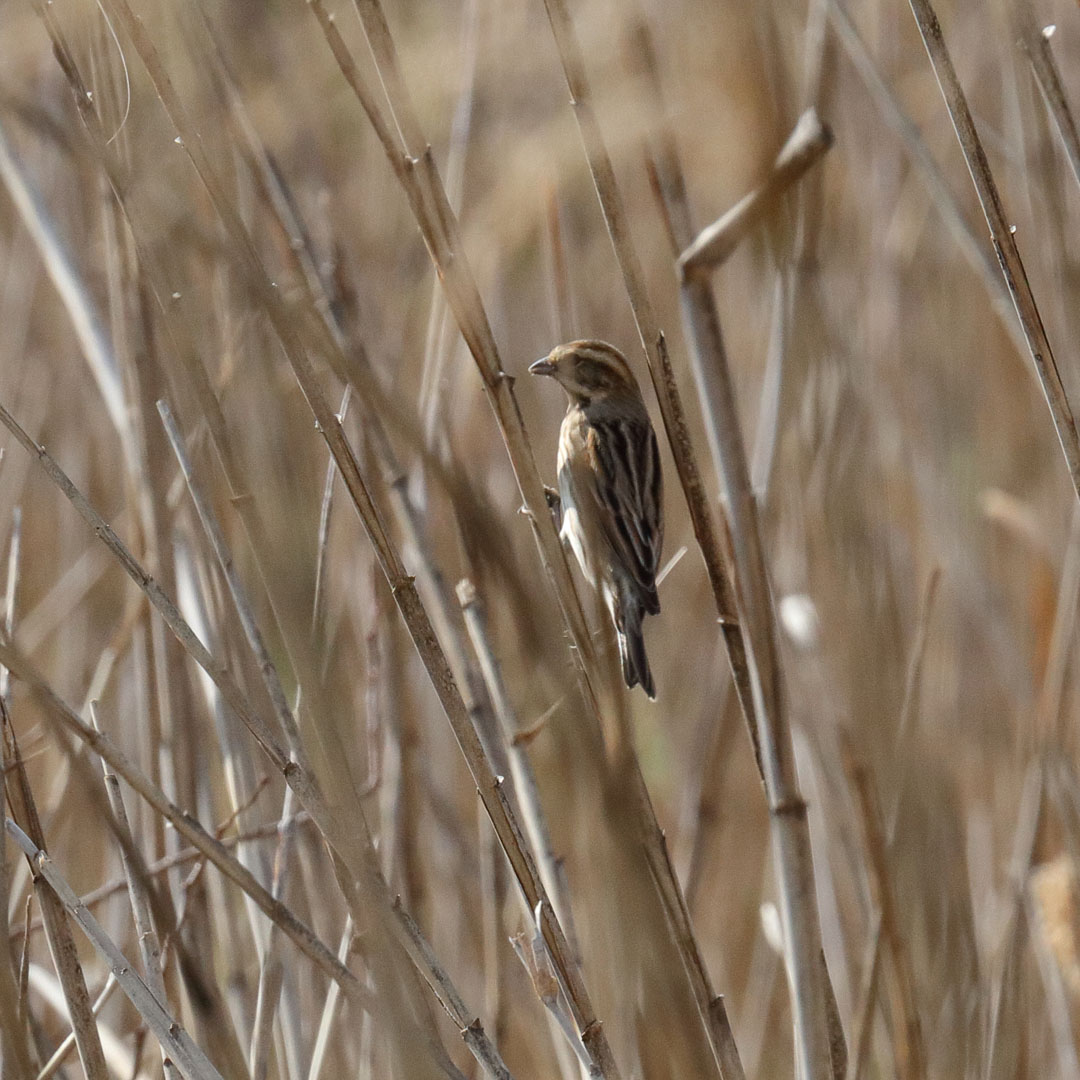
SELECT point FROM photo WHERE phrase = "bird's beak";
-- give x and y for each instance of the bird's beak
(542, 367)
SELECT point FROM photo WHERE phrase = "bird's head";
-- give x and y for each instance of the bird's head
(588, 370)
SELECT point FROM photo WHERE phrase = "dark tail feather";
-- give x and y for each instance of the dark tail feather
(635, 664)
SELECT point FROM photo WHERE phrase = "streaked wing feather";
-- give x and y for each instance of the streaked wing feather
(628, 489)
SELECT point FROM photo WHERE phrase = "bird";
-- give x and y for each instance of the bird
(609, 505)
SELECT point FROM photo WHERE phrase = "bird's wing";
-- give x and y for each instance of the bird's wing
(626, 470)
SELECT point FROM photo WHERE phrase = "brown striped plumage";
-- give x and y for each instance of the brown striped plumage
(611, 489)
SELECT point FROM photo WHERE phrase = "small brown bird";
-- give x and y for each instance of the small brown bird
(610, 489)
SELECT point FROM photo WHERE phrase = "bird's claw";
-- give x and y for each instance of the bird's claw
(554, 502)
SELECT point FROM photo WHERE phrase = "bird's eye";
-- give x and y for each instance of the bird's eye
(592, 374)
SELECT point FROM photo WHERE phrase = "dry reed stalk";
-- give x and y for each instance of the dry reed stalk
(908, 1039)
(271, 969)
(60, 1055)
(524, 778)
(61, 943)
(171, 862)
(1035, 43)
(304, 783)
(863, 1021)
(96, 347)
(191, 1062)
(216, 538)
(468, 1024)
(790, 832)
(1051, 717)
(206, 844)
(710, 1004)
(1012, 266)
(946, 202)
(415, 170)
(349, 359)
(653, 342)
(15, 1036)
(149, 947)
(819, 1042)
(329, 1010)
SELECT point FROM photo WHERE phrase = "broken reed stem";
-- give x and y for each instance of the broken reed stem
(65, 958)
(1012, 266)
(808, 141)
(192, 1063)
(1035, 43)
(809, 980)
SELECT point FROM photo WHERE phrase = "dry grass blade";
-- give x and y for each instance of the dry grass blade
(1002, 235)
(271, 679)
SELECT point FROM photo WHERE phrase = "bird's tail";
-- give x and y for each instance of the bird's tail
(635, 664)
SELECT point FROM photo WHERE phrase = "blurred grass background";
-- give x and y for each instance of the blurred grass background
(911, 438)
